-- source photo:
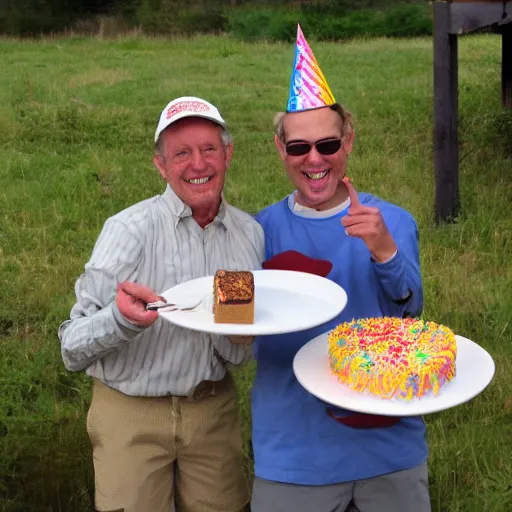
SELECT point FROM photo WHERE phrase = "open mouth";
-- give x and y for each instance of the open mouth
(198, 181)
(316, 175)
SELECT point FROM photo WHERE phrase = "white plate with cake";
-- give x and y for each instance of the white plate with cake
(261, 302)
(393, 367)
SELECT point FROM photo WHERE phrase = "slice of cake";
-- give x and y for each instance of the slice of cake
(233, 297)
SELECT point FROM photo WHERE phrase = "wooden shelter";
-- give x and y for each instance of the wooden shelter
(451, 19)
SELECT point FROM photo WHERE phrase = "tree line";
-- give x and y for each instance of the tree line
(247, 19)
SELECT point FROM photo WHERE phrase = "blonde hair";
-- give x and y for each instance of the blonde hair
(346, 121)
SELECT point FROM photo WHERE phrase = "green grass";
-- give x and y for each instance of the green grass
(76, 123)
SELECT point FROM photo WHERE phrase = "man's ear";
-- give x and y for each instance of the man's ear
(159, 164)
(228, 154)
(348, 142)
(280, 147)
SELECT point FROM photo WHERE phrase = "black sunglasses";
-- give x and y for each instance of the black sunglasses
(323, 146)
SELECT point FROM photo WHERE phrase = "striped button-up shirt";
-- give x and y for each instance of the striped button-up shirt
(156, 243)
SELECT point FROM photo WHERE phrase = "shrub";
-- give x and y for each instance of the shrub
(326, 23)
(250, 24)
(247, 20)
(35, 17)
(170, 17)
(191, 22)
(407, 21)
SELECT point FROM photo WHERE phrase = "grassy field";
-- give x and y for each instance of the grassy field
(77, 117)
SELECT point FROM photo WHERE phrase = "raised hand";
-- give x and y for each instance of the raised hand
(366, 222)
(131, 300)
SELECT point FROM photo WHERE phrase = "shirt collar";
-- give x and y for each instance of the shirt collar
(304, 211)
(181, 211)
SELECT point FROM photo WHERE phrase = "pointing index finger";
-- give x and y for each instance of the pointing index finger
(352, 192)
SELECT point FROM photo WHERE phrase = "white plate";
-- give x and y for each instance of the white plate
(284, 301)
(474, 371)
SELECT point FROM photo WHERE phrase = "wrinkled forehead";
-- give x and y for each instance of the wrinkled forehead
(312, 125)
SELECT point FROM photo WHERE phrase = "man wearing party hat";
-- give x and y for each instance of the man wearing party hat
(310, 456)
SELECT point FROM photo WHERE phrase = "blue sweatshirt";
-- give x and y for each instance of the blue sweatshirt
(294, 439)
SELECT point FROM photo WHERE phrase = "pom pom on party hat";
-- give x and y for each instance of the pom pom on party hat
(308, 87)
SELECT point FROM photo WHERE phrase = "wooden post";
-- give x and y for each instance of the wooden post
(506, 65)
(446, 151)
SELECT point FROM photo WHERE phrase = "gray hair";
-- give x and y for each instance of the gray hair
(226, 137)
(346, 121)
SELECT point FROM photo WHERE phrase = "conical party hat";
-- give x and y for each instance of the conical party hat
(308, 87)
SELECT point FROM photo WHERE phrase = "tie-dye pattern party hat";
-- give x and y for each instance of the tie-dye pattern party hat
(308, 87)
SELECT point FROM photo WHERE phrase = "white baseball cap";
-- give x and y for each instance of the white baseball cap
(187, 106)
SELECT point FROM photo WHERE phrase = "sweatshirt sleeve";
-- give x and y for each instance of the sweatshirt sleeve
(401, 276)
(96, 326)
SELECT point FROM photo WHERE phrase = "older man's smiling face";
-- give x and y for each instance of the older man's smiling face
(194, 161)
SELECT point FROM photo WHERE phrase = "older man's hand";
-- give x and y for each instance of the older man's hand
(366, 222)
(131, 300)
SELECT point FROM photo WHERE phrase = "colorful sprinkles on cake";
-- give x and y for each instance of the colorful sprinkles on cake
(393, 357)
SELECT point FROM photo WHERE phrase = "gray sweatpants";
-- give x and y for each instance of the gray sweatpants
(402, 491)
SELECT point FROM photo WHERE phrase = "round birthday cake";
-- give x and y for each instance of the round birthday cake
(402, 358)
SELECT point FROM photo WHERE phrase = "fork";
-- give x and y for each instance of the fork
(163, 306)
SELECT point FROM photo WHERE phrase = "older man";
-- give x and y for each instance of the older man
(309, 455)
(164, 421)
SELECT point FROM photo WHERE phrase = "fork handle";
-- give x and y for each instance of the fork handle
(153, 306)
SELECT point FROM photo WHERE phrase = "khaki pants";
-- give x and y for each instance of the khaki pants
(151, 454)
